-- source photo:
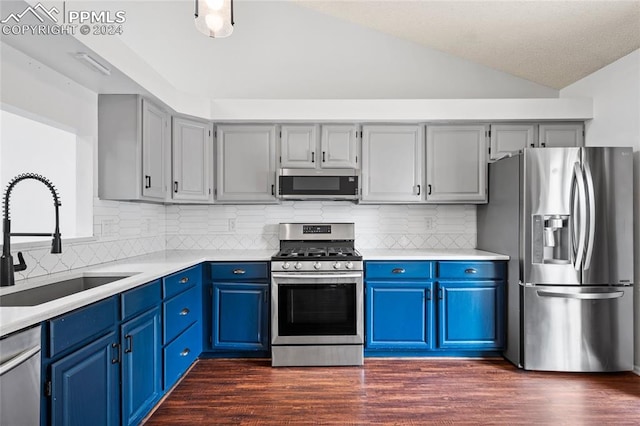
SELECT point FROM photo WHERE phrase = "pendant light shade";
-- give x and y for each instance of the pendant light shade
(214, 17)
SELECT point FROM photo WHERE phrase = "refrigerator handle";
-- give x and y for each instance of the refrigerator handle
(583, 296)
(582, 205)
(591, 201)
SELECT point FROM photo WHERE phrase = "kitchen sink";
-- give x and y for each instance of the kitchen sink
(46, 293)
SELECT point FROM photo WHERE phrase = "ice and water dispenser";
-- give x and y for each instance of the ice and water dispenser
(551, 239)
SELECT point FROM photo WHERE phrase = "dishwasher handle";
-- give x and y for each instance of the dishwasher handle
(18, 359)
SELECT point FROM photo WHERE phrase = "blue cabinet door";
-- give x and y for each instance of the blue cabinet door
(141, 365)
(85, 387)
(240, 316)
(399, 315)
(471, 314)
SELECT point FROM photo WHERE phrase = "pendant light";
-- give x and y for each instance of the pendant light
(214, 17)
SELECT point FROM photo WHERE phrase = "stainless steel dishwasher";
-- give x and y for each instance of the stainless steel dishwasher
(20, 378)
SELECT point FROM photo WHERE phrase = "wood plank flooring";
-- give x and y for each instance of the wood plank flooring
(397, 391)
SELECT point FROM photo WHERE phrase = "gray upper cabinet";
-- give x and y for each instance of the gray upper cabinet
(392, 163)
(133, 136)
(301, 148)
(298, 144)
(561, 134)
(510, 139)
(246, 163)
(192, 157)
(339, 146)
(456, 164)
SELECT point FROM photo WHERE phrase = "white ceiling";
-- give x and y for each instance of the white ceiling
(553, 43)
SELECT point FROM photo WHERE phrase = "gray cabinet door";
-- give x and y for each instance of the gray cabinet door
(456, 164)
(339, 146)
(561, 135)
(392, 163)
(154, 134)
(298, 146)
(246, 163)
(510, 139)
(192, 160)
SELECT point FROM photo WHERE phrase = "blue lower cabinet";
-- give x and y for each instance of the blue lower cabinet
(240, 319)
(85, 385)
(471, 315)
(141, 365)
(181, 353)
(399, 316)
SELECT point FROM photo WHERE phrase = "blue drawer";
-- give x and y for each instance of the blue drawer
(180, 281)
(80, 325)
(140, 299)
(225, 271)
(181, 353)
(180, 312)
(398, 270)
(471, 270)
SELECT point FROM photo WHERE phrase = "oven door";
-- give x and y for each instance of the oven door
(312, 308)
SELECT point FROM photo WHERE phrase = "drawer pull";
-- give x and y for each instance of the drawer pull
(184, 280)
(184, 312)
(239, 271)
(470, 271)
(398, 270)
(185, 352)
(130, 348)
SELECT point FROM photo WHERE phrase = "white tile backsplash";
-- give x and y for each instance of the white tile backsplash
(125, 229)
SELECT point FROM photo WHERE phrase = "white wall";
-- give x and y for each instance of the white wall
(120, 229)
(283, 51)
(615, 90)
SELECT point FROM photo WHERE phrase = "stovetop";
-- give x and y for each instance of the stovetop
(318, 253)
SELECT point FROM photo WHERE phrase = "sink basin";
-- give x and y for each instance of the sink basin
(46, 293)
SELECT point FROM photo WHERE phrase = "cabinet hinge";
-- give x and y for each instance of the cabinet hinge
(281, 159)
(215, 134)
(210, 291)
(489, 150)
(281, 134)
(209, 133)
(47, 388)
(356, 159)
(210, 340)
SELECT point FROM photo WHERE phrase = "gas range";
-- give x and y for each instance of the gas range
(317, 294)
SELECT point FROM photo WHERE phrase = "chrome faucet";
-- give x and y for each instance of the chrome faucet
(7, 268)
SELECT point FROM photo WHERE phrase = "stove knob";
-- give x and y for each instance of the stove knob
(348, 265)
(337, 265)
(317, 265)
(286, 265)
(298, 265)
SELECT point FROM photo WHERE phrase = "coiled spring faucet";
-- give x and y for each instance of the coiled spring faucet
(7, 268)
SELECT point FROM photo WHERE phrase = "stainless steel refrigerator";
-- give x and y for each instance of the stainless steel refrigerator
(565, 218)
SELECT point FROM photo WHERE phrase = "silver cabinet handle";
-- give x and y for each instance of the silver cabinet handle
(583, 296)
(184, 312)
(470, 271)
(398, 270)
(239, 271)
(184, 280)
(185, 352)
(16, 361)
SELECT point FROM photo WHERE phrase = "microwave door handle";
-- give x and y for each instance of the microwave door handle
(582, 213)
(591, 202)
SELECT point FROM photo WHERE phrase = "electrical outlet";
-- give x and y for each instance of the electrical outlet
(428, 223)
(232, 225)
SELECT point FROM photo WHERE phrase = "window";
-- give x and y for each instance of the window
(27, 145)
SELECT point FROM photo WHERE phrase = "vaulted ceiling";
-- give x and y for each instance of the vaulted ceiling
(553, 43)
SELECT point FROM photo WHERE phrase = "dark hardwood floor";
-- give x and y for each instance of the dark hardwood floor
(397, 391)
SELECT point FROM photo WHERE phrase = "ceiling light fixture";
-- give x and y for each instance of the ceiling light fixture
(95, 65)
(214, 17)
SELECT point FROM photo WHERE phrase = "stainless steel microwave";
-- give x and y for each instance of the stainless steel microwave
(319, 184)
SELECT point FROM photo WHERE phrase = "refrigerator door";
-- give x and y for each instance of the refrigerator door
(578, 328)
(554, 213)
(608, 174)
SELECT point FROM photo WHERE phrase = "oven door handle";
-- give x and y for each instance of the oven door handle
(317, 276)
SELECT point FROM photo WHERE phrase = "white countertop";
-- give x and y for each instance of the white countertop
(156, 265)
(430, 254)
